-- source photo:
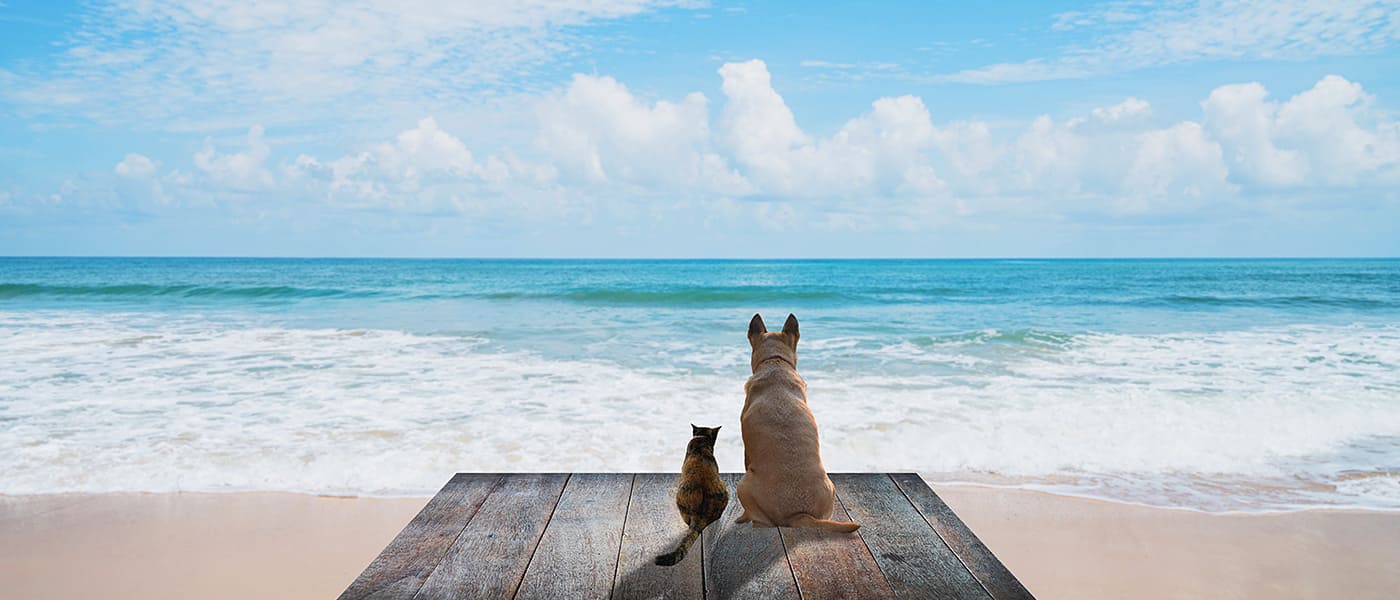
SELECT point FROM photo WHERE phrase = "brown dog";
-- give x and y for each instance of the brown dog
(784, 483)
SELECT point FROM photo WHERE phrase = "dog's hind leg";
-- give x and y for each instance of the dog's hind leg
(742, 491)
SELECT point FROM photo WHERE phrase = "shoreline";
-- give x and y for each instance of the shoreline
(205, 544)
(938, 486)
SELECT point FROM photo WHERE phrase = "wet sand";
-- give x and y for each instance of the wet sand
(274, 545)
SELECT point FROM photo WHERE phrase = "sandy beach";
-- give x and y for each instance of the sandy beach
(275, 545)
(1065, 547)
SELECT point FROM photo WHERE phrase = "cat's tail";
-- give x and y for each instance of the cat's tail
(806, 520)
(677, 555)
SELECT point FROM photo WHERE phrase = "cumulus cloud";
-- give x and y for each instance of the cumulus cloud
(424, 152)
(242, 171)
(596, 142)
(1327, 135)
(424, 168)
(879, 152)
(1178, 163)
(598, 132)
(136, 166)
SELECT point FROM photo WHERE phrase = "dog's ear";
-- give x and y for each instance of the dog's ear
(790, 328)
(756, 327)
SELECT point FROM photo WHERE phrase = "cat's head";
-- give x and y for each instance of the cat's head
(710, 433)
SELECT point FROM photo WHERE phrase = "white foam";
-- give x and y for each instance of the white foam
(1231, 420)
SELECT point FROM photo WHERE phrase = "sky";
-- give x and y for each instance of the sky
(684, 128)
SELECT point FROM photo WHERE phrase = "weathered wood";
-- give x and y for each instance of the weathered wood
(403, 565)
(597, 535)
(743, 561)
(489, 558)
(994, 576)
(914, 560)
(577, 556)
(654, 527)
(834, 565)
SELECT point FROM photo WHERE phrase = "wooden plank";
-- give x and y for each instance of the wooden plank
(403, 565)
(489, 558)
(834, 565)
(654, 527)
(915, 561)
(743, 561)
(577, 556)
(994, 576)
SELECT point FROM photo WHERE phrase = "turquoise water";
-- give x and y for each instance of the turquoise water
(1215, 384)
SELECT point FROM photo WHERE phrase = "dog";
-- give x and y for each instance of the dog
(784, 483)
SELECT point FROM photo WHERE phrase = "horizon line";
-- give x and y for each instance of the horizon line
(679, 258)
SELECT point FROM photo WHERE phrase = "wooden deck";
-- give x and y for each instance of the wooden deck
(594, 535)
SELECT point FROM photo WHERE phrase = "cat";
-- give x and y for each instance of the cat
(702, 495)
(784, 483)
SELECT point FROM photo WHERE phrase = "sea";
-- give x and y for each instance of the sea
(1213, 385)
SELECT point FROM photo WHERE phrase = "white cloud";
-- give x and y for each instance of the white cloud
(136, 166)
(757, 123)
(1127, 110)
(243, 171)
(596, 145)
(597, 131)
(1239, 117)
(1327, 135)
(1177, 163)
(424, 168)
(422, 151)
(880, 152)
(1134, 35)
(823, 64)
(1328, 125)
(203, 64)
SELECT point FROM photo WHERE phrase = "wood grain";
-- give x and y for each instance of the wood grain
(489, 558)
(914, 560)
(654, 527)
(834, 565)
(743, 561)
(597, 535)
(403, 565)
(577, 556)
(994, 576)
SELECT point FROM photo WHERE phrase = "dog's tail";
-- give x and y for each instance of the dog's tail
(677, 555)
(806, 520)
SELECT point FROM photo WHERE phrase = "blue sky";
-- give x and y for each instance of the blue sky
(692, 129)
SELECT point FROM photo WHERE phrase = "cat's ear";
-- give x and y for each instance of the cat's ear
(756, 327)
(694, 431)
(790, 328)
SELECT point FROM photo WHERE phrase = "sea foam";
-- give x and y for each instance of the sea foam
(1265, 418)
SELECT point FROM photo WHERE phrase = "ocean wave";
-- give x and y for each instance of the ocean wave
(1282, 301)
(1280, 417)
(1026, 337)
(22, 290)
(678, 297)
